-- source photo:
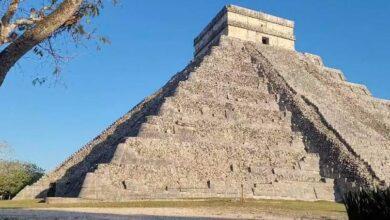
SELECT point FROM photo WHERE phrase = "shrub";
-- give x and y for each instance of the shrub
(368, 204)
(15, 175)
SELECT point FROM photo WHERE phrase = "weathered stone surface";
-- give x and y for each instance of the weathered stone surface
(246, 24)
(246, 119)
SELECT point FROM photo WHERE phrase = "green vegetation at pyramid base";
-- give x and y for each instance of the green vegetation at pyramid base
(15, 175)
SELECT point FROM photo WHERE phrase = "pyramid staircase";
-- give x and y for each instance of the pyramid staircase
(243, 121)
(220, 134)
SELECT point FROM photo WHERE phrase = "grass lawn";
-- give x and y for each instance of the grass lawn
(285, 207)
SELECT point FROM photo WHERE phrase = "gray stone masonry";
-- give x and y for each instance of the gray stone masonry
(244, 119)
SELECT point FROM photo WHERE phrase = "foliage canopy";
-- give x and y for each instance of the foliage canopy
(36, 26)
(15, 175)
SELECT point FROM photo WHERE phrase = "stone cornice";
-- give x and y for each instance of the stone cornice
(211, 24)
(260, 15)
(260, 29)
(246, 12)
(244, 26)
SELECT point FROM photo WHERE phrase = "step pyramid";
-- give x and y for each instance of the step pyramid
(243, 120)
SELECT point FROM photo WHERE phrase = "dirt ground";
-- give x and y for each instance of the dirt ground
(150, 213)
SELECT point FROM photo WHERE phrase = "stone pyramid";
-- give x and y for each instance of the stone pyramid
(245, 118)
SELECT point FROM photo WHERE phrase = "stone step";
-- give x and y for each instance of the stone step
(218, 55)
(382, 109)
(210, 145)
(244, 69)
(357, 89)
(383, 150)
(277, 190)
(206, 154)
(226, 91)
(315, 59)
(30, 192)
(231, 78)
(311, 162)
(195, 105)
(182, 184)
(334, 74)
(254, 174)
(382, 105)
(202, 124)
(269, 137)
(296, 190)
(110, 193)
(267, 101)
(233, 176)
(283, 174)
(203, 121)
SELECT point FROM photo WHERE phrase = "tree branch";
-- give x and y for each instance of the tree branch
(30, 38)
(25, 21)
(5, 27)
(6, 19)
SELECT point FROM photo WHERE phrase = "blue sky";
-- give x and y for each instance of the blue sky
(151, 41)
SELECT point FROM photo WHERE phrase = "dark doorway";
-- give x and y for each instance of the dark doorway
(265, 40)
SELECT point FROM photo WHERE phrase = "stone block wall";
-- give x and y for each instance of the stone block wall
(246, 24)
(221, 134)
(346, 108)
(246, 119)
(70, 174)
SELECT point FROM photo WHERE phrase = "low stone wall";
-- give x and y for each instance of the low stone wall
(65, 200)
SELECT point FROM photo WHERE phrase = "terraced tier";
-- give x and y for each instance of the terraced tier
(232, 78)
(196, 105)
(149, 167)
(227, 91)
(245, 119)
(346, 107)
(218, 130)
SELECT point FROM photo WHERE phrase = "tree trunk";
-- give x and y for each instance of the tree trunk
(43, 29)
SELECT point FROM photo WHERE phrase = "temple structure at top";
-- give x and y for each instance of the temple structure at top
(246, 24)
